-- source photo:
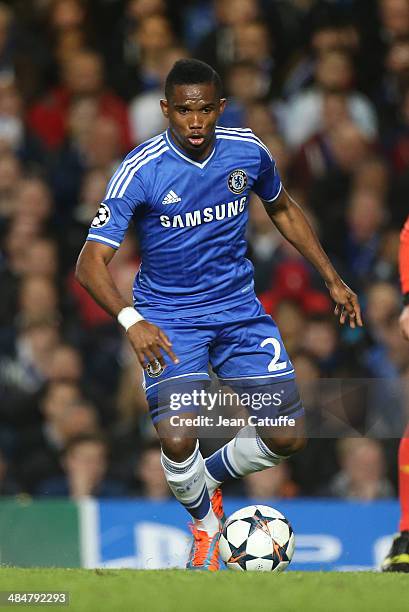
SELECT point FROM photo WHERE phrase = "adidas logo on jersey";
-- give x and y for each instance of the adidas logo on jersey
(171, 198)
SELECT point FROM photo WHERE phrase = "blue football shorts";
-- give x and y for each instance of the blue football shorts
(245, 350)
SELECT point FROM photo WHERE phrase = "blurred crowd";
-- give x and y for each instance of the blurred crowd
(325, 84)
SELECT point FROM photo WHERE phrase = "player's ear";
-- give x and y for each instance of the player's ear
(222, 106)
(164, 104)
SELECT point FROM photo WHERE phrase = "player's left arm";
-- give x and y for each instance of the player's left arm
(292, 223)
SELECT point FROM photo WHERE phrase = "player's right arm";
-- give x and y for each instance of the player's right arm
(127, 190)
(92, 272)
(404, 278)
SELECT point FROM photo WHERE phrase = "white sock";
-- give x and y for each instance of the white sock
(245, 454)
(187, 483)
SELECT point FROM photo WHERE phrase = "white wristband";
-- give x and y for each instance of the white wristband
(128, 316)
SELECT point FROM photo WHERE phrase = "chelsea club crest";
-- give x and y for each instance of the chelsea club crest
(237, 181)
(154, 369)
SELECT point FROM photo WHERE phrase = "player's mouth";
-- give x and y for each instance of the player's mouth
(196, 140)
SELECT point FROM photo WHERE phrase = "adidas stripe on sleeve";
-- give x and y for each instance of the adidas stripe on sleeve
(125, 192)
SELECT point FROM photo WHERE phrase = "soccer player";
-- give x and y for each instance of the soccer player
(397, 560)
(187, 191)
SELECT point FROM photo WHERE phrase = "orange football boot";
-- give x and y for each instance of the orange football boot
(204, 554)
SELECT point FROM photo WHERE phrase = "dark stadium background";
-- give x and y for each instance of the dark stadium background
(326, 86)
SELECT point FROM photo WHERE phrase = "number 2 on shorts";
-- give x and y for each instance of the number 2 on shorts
(275, 365)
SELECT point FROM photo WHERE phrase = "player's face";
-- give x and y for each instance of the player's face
(192, 112)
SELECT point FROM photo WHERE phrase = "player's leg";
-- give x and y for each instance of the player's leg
(183, 466)
(181, 458)
(249, 356)
(397, 560)
(258, 447)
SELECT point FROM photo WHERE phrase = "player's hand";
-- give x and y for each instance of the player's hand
(347, 304)
(148, 342)
(404, 322)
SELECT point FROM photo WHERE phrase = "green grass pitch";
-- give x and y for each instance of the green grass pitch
(180, 591)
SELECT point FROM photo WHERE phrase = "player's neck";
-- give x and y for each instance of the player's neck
(198, 156)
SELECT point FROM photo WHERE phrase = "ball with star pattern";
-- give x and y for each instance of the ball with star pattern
(257, 539)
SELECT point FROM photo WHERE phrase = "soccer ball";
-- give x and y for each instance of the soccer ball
(257, 539)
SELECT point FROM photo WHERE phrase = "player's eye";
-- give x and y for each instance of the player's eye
(207, 110)
(183, 111)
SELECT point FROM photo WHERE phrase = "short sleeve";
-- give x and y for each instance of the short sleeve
(125, 192)
(268, 183)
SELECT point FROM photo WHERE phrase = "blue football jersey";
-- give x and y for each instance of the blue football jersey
(190, 218)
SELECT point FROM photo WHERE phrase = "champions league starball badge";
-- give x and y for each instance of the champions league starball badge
(154, 369)
(237, 181)
(102, 217)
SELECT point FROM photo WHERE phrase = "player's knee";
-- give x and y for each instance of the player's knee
(178, 448)
(286, 445)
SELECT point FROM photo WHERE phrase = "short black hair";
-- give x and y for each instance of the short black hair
(191, 72)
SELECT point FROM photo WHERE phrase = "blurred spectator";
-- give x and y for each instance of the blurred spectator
(149, 37)
(349, 149)
(362, 471)
(321, 339)
(253, 44)
(272, 483)
(334, 73)
(319, 154)
(385, 355)
(38, 298)
(41, 258)
(217, 46)
(25, 359)
(260, 119)
(66, 414)
(383, 303)
(327, 31)
(291, 322)
(149, 474)
(34, 204)
(22, 55)
(15, 136)
(394, 80)
(372, 174)
(365, 216)
(93, 143)
(85, 465)
(83, 76)
(66, 364)
(124, 50)
(394, 16)
(245, 84)
(69, 27)
(145, 113)
(155, 37)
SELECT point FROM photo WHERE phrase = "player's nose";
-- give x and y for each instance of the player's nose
(196, 121)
